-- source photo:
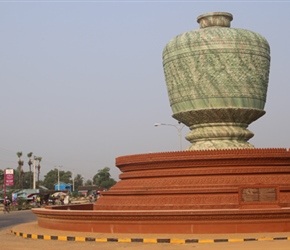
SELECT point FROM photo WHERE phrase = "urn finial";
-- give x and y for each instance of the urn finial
(222, 19)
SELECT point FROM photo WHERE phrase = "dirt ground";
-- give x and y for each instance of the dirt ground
(10, 241)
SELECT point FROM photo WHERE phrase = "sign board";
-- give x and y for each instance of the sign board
(9, 177)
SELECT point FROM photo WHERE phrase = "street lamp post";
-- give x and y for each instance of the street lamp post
(179, 128)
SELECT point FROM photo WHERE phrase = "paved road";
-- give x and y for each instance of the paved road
(15, 218)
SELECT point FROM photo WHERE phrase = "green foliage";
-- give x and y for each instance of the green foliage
(89, 183)
(78, 181)
(103, 179)
(1, 176)
(20, 200)
(75, 194)
(26, 180)
(51, 178)
(19, 154)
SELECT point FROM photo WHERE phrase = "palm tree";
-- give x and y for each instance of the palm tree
(38, 168)
(29, 155)
(20, 169)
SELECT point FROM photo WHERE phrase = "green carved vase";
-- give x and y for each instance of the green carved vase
(217, 80)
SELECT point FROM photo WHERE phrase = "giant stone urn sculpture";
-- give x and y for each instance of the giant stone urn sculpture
(217, 79)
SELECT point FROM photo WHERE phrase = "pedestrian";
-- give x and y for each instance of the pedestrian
(6, 203)
(38, 201)
(62, 200)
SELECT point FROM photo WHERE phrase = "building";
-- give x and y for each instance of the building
(63, 186)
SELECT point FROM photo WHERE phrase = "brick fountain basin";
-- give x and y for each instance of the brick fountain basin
(207, 191)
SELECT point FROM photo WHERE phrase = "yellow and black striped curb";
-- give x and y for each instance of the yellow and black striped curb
(141, 240)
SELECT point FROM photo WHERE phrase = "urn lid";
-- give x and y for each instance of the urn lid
(221, 19)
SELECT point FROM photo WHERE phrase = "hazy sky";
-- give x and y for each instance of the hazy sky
(82, 81)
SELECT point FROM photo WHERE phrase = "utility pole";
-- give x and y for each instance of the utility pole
(58, 183)
(73, 181)
(34, 186)
(4, 185)
(58, 178)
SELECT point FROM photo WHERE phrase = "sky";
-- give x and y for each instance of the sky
(82, 82)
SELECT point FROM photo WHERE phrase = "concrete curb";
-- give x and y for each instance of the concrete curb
(142, 240)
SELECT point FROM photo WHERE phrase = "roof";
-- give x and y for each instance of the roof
(44, 193)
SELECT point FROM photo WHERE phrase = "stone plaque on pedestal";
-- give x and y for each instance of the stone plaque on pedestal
(265, 194)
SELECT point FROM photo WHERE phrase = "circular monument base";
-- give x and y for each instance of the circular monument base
(167, 222)
(214, 191)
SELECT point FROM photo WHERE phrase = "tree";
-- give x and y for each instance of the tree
(29, 155)
(88, 182)
(20, 169)
(103, 179)
(26, 180)
(51, 178)
(65, 176)
(38, 166)
(78, 181)
(1, 177)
